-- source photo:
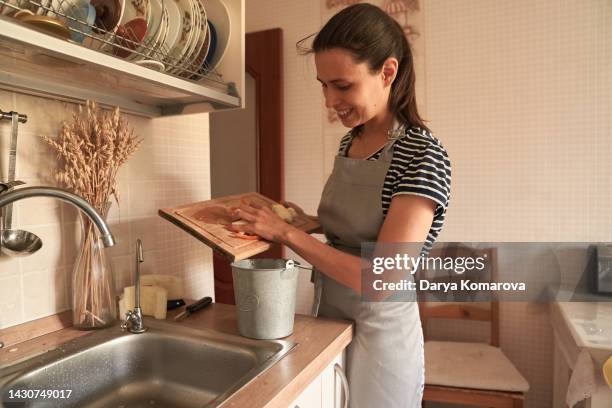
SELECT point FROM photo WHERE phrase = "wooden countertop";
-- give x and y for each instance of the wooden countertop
(318, 340)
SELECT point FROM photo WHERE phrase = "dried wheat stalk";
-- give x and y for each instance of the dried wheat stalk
(91, 149)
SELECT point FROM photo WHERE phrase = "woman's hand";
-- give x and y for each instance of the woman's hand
(262, 221)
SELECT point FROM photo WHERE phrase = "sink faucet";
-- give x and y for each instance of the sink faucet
(133, 318)
(79, 202)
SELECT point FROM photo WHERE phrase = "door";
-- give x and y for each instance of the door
(246, 146)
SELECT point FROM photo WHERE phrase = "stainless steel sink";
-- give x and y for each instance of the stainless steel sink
(168, 366)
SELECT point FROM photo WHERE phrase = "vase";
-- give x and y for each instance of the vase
(93, 287)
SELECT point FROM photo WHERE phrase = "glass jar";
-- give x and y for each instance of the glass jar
(93, 287)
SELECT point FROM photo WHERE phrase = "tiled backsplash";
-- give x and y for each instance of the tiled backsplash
(171, 167)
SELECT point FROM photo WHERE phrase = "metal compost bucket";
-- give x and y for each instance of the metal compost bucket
(265, 292)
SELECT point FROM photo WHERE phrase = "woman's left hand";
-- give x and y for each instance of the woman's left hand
(262, 221)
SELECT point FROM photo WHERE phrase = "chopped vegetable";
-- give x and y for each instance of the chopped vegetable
(243, 235)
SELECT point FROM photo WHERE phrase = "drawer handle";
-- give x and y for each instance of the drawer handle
(338, 370)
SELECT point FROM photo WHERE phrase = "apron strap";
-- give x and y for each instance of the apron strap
(393, 137)
(387, 153)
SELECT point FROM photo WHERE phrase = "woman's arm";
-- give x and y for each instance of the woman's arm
(408, 220)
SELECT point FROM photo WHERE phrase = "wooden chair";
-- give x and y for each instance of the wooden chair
(474, 374)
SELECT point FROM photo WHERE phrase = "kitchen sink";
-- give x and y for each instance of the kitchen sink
(168, 366)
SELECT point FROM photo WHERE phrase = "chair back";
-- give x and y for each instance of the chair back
(477, 310)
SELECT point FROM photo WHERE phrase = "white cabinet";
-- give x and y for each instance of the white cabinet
(581, 352)
(36, 63)
(311, 396)
(328, 390)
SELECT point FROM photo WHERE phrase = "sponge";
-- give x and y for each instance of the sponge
(173, 284)
(153, 301)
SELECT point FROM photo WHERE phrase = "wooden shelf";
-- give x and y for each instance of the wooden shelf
(36, 63)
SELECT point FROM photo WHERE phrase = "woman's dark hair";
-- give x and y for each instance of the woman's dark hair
(372, 36)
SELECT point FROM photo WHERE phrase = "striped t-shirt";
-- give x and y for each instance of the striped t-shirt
(419, 166)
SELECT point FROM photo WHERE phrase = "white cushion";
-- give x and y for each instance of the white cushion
(471, 365)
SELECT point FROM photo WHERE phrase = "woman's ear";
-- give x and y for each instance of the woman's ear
(389, 71)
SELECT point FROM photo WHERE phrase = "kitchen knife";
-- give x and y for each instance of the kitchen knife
(175, 304)
(194, 307)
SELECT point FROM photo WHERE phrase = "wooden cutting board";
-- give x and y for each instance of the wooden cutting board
(206, 221)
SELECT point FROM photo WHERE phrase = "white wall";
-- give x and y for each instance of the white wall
(233, 147)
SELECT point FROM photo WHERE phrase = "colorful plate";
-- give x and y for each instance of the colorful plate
(130, 35)
(108, 14)
(49, 25)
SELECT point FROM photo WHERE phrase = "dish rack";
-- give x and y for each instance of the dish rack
(109, 41)
(36, 63)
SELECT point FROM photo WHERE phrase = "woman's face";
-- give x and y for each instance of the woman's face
(351, 89)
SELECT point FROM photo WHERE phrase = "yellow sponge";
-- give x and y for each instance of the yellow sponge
(153, 301)
(173, 284)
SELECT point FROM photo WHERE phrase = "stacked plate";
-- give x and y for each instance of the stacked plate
(186, 38)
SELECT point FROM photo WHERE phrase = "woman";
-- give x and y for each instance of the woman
(390, 184)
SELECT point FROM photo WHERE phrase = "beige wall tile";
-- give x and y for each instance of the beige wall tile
(142, 202)
(141, 167)
(44, 115)
(123, 271)
(38, 211)
(143, 128)
(148, 230)
(123, 242)
(11, 301)
(151, 262)
(49, 256)
(9, 266)
(39, 301)
(35, 159)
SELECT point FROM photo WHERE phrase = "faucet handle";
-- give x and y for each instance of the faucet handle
(129, 316)
(133, 321)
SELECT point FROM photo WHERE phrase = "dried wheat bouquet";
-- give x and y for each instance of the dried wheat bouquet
(91, 150)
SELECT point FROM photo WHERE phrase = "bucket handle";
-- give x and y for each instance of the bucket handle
(295, 264)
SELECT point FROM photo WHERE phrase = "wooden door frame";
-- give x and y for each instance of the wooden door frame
(264, 62)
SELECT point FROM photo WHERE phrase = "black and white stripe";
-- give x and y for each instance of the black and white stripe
(419, 166)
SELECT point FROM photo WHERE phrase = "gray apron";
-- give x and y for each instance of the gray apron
(385, 360)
